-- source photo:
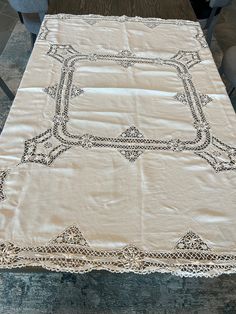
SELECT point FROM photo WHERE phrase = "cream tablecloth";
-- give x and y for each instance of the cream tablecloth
(119, 152)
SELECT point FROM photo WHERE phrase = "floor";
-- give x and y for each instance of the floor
(8, 19)
(103, 292)
(106, 293)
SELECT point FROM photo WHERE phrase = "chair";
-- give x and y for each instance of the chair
(32, 13)
(6, 89)
(228, 68)
(216, 5)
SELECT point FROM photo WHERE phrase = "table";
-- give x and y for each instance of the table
(168, 9)
(119, 152)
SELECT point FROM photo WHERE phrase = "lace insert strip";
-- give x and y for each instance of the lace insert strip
(71, 252)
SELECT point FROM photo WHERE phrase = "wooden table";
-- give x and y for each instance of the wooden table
(167, 9)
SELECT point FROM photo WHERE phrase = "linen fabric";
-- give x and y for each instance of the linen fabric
(119, 152)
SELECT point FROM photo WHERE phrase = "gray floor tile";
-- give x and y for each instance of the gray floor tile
(2, 4)
(7, 25)
(8, 10)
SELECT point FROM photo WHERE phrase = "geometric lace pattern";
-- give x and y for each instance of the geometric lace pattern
(92, 19)
(71, 252)
(132, 143)
(128, 143)
(3, 176)
(191, 241)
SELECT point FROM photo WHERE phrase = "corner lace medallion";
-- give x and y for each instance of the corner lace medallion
(44, 148)
(219, 155)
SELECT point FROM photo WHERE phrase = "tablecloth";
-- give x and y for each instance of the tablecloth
(119, 152)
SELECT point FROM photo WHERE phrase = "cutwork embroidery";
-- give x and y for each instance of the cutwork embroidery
(153, 24)
(201, 38)
(219, 155)
(189, 58)
(125, 58)
(131, 133)
(71, 235)
(182, 97)
(3, 176)
(44, 31)
(40, 150)
(131, 155)
(51, 90)
(131, 148)
(75, 91)
(131, 143)
(176, 145)
(191, 241)
(71, 252)
(91, 20)
(87, 141)
(60, 119)
(149, 22)
(205, 99)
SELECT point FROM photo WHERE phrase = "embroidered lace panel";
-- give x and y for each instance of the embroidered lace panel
(71, 252)
(3, 176)
(94, 19)
(132, 143)
(129, 145)
(151, 23)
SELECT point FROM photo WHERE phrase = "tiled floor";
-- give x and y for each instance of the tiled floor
(8, 19)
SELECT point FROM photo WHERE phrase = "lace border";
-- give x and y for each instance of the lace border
(70, 252)
(121, 19)
(92, 19)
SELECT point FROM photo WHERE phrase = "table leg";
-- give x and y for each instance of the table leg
(6, 89)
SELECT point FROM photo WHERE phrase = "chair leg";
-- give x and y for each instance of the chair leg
(33, 39)
(20, 17)
(6, 89)
(210, 25)
(231, 91)
(221, 70)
